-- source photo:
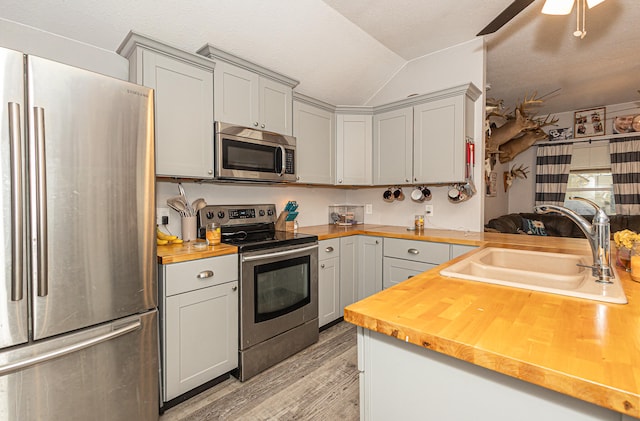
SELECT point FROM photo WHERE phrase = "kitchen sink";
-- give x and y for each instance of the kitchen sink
(554, 273)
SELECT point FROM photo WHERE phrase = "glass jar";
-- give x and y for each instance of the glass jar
(623, 258)
(635, 261)
(213, 234)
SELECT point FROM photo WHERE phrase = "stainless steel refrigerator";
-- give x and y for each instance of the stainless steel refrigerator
(78, 289)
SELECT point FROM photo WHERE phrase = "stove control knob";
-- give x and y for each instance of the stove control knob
(270, 212)
(261, 213)
(209, 215)
(220, 214)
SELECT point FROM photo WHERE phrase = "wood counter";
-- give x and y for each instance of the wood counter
(585, 349)
(174, 253)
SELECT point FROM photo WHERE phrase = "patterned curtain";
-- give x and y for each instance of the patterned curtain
(625, 168)
(553, 163)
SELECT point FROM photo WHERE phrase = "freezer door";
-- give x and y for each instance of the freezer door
(93, 199)
(13, 291)
(105, 373)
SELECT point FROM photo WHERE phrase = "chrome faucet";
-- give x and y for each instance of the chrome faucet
(598, 233)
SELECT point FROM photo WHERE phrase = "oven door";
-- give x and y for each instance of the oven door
(278, 291)
(244, 158)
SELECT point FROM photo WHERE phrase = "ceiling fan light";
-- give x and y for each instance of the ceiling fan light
(593, 3)
(559, 7)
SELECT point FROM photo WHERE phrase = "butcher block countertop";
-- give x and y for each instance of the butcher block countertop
(585, 349)
(175, 253)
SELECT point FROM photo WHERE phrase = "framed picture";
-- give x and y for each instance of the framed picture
(587, 123)
(626, 124)
(492, 180)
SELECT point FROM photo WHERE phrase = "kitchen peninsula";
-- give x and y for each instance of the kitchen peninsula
(425, 346)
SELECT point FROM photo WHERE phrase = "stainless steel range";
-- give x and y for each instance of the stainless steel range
(278, 284)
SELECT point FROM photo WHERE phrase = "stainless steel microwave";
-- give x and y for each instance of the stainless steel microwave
(243, 153)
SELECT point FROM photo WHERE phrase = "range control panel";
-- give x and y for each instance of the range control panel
(227, 215)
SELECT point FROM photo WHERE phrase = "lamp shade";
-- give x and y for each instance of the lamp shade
(559, 7)
(593, 3)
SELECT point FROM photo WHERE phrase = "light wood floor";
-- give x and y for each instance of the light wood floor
(318, 383)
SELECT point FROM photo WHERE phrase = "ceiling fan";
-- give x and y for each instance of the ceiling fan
(551, 7)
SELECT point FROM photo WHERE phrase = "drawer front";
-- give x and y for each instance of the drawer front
(328, 249)
(201, 273)
(399, 270)
(418, 251)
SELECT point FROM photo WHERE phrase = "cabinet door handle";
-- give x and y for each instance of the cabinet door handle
(322, 266)
(255, 124)
(329, 249)
(234, 288)
(377, 242)
(413, 251)
(262, 125)
(205, 274)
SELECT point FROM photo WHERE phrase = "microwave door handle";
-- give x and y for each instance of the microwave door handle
(283, 154)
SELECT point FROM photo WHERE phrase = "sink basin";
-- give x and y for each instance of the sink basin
(554, 273)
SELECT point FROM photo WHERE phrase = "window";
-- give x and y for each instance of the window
(596, 186)
(590, 177)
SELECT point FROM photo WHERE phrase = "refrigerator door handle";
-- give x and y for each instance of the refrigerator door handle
(69, 349)
(41, 199)
(15, 139)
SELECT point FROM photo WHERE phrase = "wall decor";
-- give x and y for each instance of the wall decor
(626, 123)
(492, 180)
(565, 133)
(589, 122)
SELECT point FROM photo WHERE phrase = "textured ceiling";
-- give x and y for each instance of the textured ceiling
(532, 53)
(343, 51)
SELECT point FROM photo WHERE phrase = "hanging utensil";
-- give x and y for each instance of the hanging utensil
(198, 204)
(189, 209)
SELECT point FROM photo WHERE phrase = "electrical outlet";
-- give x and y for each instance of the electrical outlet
(162, 215)
(428, 210)
(368, 209)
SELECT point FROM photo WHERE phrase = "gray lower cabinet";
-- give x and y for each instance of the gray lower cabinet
(328, 281)
(199, 322)
(360, 268)
(369, 266)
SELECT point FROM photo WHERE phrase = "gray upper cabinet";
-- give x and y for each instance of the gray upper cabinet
(183, 85)
(393, 147)
(422, 139)
(314, 129)
(354, 149)
(250, 95)
(440, 128)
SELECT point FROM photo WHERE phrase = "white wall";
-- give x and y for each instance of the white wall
(34, 41)
(314, 203)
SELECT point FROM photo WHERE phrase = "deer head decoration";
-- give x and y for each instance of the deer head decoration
(509, 150)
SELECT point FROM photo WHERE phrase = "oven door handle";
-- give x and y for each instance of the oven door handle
(277, 254)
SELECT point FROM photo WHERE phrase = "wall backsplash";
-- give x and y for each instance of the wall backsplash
(314, 202)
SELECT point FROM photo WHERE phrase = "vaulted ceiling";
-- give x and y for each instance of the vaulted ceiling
(343, 51)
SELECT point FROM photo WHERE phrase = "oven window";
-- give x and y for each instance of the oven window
(238, 155)
(281, 287)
